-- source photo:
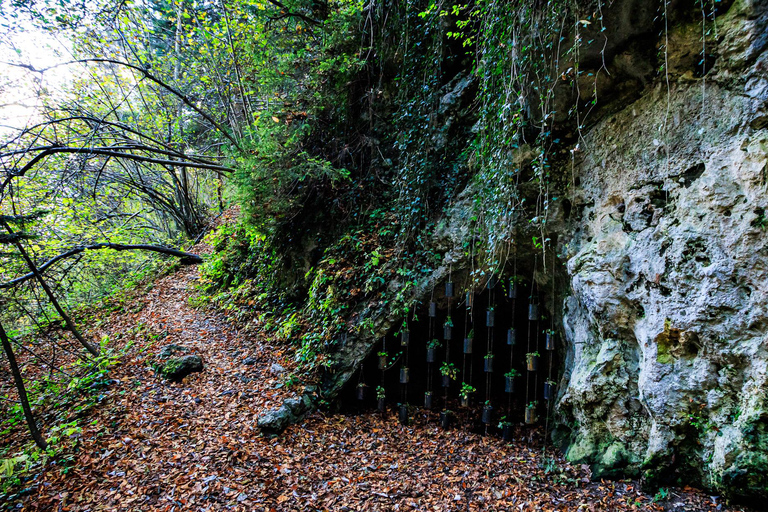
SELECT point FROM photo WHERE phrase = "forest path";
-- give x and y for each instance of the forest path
(158, 445)
(153, 445)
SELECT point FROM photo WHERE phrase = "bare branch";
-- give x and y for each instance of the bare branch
(145, 73)
(186, 257)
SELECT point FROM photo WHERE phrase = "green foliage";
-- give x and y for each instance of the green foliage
(274, 167)
(466, 390)
(661, 495)
(449, 369)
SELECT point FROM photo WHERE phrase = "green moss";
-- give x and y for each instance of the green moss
(747, 477)
(673, 344)
(583, 450)
(171, 367)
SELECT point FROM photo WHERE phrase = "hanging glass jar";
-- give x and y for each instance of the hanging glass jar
(550, 340)
(506, 431)
(487, 413)
(509, 384)
(490, 317)
(428, 400)
(361, 391)
(432, 309)
(404, 414)
(449, 289)
(445, 419)
(511, 336)
(533, 310)
(405, 338)
(448, 329)
(468, 345)
(532, 361)
(405, 375)
(530, 413)
(493, 280)
(512, 292)
(488, 366)
(549, 390)
(382, 360)
(470, 300)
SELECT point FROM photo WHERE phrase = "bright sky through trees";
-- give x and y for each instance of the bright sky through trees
(21, 90)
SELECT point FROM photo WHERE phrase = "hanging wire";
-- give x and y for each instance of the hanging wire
(531, 327)
(360, 383)
(514, 308)
(447, 342)
(551, 400)
(431, 337)
(384, 350)
(466, 336)
(490, 322)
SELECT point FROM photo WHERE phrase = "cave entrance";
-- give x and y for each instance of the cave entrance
(480, 339)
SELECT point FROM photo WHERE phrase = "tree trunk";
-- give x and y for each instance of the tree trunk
(39, 441)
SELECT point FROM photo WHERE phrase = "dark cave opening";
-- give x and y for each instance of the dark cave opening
(509, 311)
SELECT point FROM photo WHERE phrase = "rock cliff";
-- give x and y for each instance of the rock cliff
(666, 310)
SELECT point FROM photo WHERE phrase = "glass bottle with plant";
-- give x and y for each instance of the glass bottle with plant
(509, 380)
(549, 388)
(432, 347)
(506, 428)
(466, 392)
(550, 337)
(449, 372)
(532, 361)
(488, 362)
(487, 412)
(448, 328)
(468, 341)
(380, 397)
(382, 359)
(530, 412)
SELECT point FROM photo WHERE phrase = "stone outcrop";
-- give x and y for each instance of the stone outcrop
(667, 313)
(174, 366)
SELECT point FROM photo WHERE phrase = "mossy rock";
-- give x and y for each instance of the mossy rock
(176, 368)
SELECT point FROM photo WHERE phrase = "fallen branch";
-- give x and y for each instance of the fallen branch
(186, 258)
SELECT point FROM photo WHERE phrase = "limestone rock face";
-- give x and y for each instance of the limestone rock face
(666, 318)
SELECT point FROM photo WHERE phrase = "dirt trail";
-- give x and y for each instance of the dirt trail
(154, 445)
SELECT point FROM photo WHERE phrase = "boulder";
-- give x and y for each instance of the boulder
(176, 368)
